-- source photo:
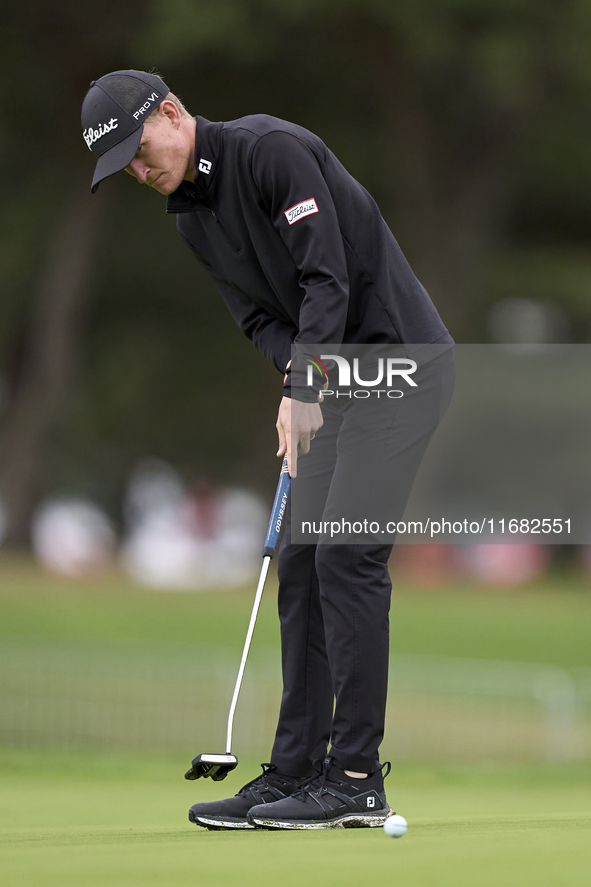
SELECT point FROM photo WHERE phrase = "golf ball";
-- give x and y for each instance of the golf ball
(395, 826)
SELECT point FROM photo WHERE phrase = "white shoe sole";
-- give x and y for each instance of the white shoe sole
(220, 825)
(349, 820)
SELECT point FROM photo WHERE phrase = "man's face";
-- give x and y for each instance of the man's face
(165, 156)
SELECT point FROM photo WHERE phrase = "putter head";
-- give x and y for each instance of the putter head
(215, 767)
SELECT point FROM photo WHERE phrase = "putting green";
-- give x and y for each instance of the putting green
(116, 820)
(119, 819)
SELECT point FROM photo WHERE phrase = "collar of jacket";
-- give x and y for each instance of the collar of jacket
(208, 156)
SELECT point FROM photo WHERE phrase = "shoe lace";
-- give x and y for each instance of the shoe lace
(267, 768)
(317, 782)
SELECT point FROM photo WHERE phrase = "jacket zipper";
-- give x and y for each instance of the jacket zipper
(225, 233)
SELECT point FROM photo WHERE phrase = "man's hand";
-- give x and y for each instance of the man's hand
(297, 423)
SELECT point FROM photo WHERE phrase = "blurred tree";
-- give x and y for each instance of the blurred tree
(46, 369)
(49, 53)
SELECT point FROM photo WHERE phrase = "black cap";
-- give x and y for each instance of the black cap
(113, 114)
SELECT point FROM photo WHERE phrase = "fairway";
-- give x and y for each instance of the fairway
(81, 806)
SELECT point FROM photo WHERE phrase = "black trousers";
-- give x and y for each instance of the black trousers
(334, 599)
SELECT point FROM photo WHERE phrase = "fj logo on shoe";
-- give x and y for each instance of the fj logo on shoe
(205, 166)
(297, 212)
(371, 802)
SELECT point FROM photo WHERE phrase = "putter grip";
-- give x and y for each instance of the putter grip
(278, 512)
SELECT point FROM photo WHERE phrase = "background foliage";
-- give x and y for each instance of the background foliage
(467, 119)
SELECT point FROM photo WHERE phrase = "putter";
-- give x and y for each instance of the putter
(217, 767)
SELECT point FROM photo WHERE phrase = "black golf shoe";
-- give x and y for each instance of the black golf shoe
(329, 800)
(231, 812)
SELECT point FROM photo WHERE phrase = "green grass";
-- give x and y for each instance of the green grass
(549, 623)
(87, 820)
(118, 819)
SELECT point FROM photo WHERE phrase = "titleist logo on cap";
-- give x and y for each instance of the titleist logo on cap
(93, 135)
(297, 212)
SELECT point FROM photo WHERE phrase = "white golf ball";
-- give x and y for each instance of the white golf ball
(395, 826)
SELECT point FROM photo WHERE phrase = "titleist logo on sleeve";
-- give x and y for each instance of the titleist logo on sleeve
(93, 135)
(297, 212)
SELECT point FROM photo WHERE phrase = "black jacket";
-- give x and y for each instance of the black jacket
(298, 248)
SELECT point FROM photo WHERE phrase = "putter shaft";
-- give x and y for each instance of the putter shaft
(249, 634)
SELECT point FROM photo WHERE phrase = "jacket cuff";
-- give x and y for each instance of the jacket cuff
(294, 388)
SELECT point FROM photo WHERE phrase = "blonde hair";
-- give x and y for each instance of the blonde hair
(170, 97)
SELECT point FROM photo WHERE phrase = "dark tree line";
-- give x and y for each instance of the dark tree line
(467, 119)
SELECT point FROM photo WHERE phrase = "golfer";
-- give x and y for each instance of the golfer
(302, 258)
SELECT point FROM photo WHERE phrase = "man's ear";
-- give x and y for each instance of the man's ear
(169, 110)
